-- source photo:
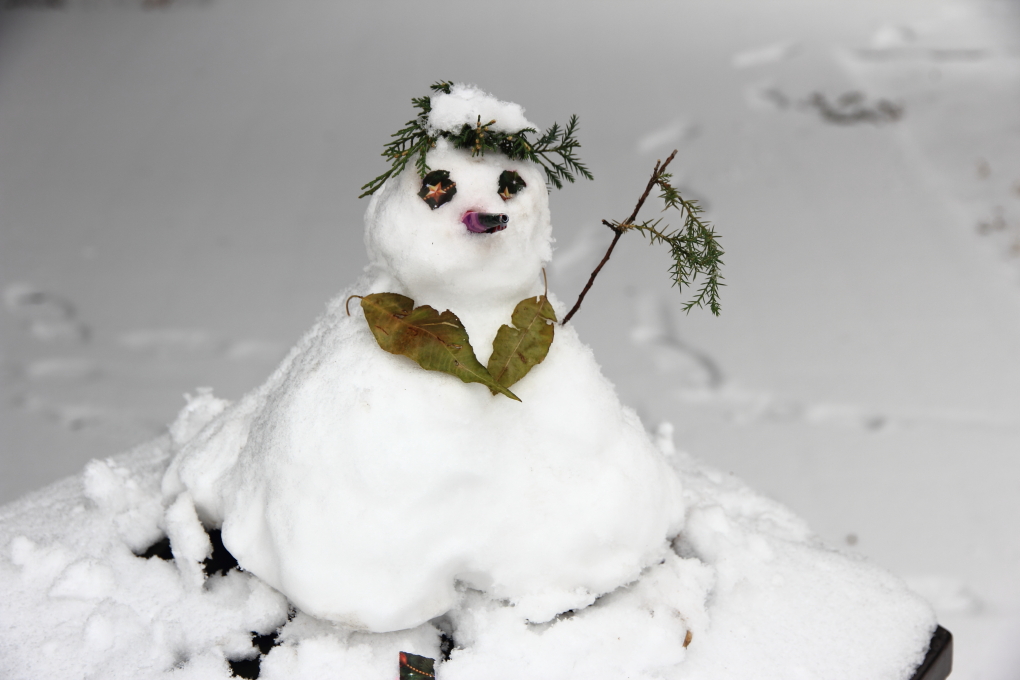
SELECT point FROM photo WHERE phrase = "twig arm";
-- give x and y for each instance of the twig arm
(657, 172)
(591, 279)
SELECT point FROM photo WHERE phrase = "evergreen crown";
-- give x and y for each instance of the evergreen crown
(417, 138)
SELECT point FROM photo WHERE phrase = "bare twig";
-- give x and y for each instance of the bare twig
(591, 279)
(660, 169)
(657, 172)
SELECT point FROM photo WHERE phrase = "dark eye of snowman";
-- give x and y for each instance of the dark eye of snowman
(509, 184)
(437, 188)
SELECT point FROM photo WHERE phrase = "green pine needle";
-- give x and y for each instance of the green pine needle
(694, 247)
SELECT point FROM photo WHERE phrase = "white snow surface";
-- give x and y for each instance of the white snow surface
(468, 105)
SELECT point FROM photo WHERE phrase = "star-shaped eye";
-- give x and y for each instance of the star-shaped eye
(509, 184)
(437, 188)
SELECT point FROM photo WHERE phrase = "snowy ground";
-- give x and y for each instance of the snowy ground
(177, 203)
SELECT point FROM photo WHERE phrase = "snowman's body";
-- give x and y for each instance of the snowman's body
(366, 488)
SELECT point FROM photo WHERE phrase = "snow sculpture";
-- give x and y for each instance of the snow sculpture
(383, 496)
(365, 488)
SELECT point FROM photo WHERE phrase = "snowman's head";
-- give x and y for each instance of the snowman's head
(440, 236)
(475, 227)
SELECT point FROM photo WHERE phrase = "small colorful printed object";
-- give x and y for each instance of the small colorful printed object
(509, 184)
(437, 188)
(414, 667)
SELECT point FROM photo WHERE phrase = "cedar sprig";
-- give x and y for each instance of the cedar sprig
(556, 141)
(562, 143)
(414, 139)
(694, 247)
(479, 138)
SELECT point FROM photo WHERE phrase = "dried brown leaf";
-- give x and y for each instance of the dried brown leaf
(516, 350)
(437, 342)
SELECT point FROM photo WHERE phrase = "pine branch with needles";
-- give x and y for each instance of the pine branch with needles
(411, 140)
(694, 247)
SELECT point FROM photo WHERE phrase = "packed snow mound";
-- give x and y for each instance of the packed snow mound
(758, 595)
(367, 489)
(467, 105)
(366, 504)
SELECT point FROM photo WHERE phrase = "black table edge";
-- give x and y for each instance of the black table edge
(938, 662)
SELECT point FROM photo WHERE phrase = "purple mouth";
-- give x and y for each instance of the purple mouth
(485, 223)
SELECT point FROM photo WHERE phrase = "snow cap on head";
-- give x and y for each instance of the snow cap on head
(466, 105)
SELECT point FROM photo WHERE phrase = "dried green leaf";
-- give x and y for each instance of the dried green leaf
(437, 342)
(515, 351)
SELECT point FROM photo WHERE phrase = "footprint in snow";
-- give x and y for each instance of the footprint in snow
(766, 97)
(667, 136)
(653, 331)
(853, 108)
(769, 54)
(83, 416)
(164, 342)
(46, 316)
(62, 368)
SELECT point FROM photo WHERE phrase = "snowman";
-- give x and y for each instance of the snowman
(374, 493)
(420, 513)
